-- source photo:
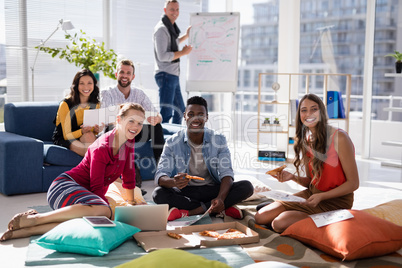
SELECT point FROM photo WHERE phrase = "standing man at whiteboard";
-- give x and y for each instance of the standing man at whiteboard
(167, 62)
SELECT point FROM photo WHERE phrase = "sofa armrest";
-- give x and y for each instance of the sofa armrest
(21, 162)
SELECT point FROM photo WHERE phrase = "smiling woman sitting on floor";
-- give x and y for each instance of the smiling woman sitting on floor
(81, 191)
(328, 158)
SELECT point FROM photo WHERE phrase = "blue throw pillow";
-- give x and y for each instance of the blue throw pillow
(78, 236)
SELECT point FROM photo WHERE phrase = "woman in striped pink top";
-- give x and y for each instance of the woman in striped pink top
(81, 191)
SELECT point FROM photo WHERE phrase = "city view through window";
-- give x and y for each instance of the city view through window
(332, 40)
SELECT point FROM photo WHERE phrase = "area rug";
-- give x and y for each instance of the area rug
(273, 247)
(234, 256)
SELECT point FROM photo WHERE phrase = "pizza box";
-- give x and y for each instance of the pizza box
(150, 241)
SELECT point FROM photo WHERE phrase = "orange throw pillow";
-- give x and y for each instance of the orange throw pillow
(390, 211)
(363, 236)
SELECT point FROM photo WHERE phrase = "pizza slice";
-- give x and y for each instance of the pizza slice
(194, 178)
(275, 171)
(174, 235)
(232, 234)
(209, 233)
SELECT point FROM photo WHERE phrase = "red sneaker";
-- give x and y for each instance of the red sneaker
(175, 213)
(234, 212)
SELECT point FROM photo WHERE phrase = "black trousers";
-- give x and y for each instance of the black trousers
(155, 134)
(192, 197)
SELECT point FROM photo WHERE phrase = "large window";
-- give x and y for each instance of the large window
(28, 23)
(332, 39)
(131, 26)
(386, 120)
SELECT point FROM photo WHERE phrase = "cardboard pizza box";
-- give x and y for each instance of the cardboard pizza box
(150, 241)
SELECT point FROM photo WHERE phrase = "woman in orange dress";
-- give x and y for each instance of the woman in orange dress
(325, 155)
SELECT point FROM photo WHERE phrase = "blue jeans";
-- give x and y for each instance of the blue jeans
(170, 98)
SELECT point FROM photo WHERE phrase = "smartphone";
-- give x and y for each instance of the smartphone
(99, 221)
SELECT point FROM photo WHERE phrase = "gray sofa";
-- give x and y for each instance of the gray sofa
(29, 161)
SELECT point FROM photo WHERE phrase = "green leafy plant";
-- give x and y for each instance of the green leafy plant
(396, 55)
(86, 52)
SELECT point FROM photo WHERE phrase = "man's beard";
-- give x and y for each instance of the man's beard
(124, 85)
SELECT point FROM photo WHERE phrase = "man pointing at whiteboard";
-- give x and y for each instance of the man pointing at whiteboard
(167, 62)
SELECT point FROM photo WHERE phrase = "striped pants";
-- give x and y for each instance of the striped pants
(64, 191)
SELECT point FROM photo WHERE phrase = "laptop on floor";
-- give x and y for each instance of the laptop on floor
(145, 217)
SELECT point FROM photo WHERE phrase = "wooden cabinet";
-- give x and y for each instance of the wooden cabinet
(281, 105)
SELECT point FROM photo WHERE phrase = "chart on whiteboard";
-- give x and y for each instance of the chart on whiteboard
(215, 46)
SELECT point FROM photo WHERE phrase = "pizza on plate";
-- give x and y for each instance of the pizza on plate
(229, 234)
(209, 233)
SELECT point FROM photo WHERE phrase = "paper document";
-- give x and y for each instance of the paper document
(107, 115)
(148, 114)
(186, 221)
(277, 195)
(325, 218)
(98, 116)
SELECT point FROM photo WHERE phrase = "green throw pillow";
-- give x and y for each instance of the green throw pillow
(172, 258)
(78, 236)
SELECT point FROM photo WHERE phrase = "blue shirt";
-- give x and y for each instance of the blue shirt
(176, 156)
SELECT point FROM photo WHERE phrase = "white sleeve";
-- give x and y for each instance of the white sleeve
(106, 99)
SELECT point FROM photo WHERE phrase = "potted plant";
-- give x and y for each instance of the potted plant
(398, 62)
(86, 52)
(267, 121)
(276, 125)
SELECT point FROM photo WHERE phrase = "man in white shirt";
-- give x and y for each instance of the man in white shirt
(123, 92)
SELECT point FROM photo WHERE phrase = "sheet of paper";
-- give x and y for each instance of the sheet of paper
(278, 195)
(183, 222)
(148, 114)
(91, 117)
(98, 116)
(325, 218)
(107, 115)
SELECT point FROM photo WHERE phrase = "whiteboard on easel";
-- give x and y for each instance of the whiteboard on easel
(212, 64)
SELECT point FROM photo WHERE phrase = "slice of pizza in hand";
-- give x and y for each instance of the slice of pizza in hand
(275, 171)
(194, 178)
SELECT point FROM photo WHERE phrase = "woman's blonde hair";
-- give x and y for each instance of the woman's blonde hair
(125, 107)
(318, 143)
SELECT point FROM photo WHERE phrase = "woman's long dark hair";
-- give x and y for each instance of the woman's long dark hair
(74, 94)
(318, 143)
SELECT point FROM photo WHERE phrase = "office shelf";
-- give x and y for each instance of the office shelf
(285, 101)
